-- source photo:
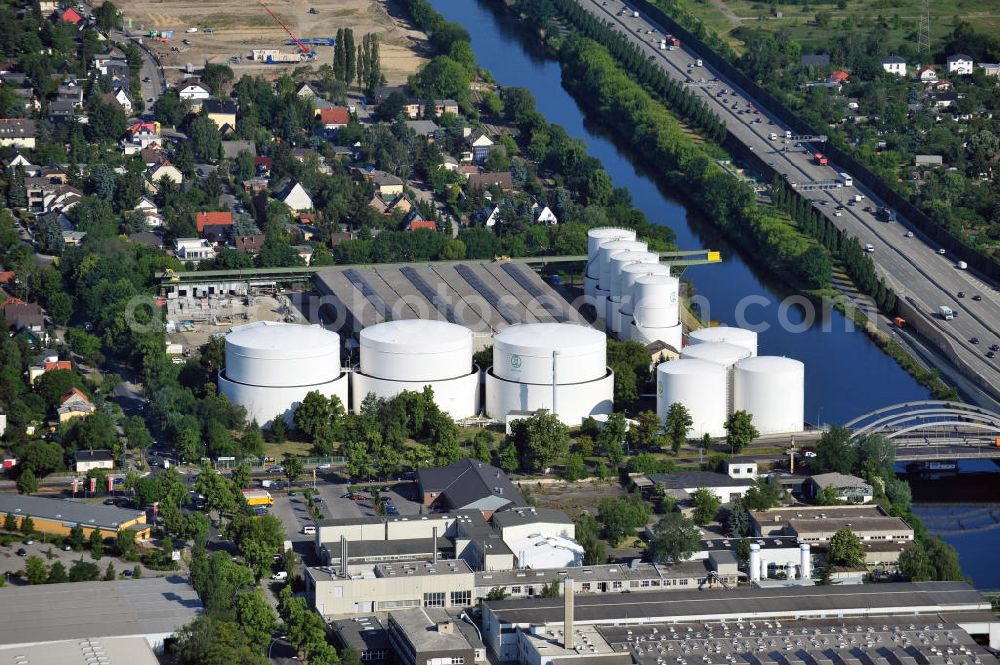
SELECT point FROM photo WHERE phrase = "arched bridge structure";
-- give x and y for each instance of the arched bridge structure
(933, 429)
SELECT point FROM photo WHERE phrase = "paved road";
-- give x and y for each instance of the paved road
(912, 266)
(153, 82)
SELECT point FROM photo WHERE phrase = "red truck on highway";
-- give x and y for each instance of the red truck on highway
(820, 158)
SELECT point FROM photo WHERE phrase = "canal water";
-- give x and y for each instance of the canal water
(846, 375)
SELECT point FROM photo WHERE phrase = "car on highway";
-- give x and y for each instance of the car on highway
(275, 469)
(977, 297)
(994, 347)
(837, 213)
(974, 340)
(961, 294)
(991, 354)
(145, 79)
(840, 207)
(942, 251)
(909, 234)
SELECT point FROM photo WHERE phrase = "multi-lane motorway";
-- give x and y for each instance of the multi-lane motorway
(911, 265)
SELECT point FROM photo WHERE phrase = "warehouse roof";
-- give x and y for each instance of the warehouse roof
(779, 515)
(530, 515)
(363, 633)
(893, 526)
(94, 456)
(868, 599)
(465, 483)
(698, 479)
(838, 480)
(68, 512)
(149, 606)
(102, 651)
(417, 625)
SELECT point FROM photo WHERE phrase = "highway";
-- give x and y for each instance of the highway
(912, 266)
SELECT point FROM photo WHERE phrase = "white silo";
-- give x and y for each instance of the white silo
(595, 238)
(656, 310)
(619, 260)
(271, 366)
(604, 254)
(412, 353)
(561, 367)
(772, 389)
(730, 335)
(698, 385)
(719, 353)
(753, 566)
(629, 274)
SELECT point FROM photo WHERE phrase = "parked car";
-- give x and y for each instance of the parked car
(809, 452)
(280, 576)
(22, 552)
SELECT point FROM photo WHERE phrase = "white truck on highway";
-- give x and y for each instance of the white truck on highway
(946, 313)
(962, 265)
(635, 14)
(846, 180)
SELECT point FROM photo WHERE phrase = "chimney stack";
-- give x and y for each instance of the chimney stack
(434, 544)
(343, 556)
(568, 614)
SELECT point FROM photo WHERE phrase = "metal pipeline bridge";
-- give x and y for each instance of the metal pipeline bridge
(933, 429)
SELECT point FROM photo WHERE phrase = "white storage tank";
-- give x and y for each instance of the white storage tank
(772, 389)
(730, 335)
(523, 373)
(656, 310)
(595, 238)
(620, 260)
(604, 259)
(719, 353)
(629, 274)
(701, 387)
(413, 353)
(271, 366)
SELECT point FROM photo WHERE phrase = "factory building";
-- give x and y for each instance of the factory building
(272, 366)
(411, 354)
(901, 622)
(59, 516)
(561, 368)
(420, 636)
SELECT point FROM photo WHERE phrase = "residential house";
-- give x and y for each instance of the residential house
(334, 118)
(305, 253)
(849, 489)
(959, 63)
(72, 93)
(544, 215)
(501, 179)
(449, 163)
(944, 99)
(47, 7)
(249, 244)
(387, 184)
(74, 404)
(305, 91)
(466, 485)
(839, 77)
(20, 315)
(232, 149)
(294, 195)
(120, 99)
(62, 199)
(149, 212)
(204, 219)
(414, 221)
(61, 110)
(151, 155)
(263, 165)
(340, 236)
(17, 132)
(47, 361)
(894, 65)
(815, 60)
(101, 60)
(990, 68)
(928, 160)
(927, 74)
(479, 145)
(21, 161)
(164, 169)
(192, 89)
(255, 185)
(221, 111)
(94, 459)
(424, 128)
(146, 238)
(194, 250)
(683, 484)
(491, 217)
(442, 106)
(71, 16)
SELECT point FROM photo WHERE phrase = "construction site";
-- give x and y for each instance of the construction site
(283, 34)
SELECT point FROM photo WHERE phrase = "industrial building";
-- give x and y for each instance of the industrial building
(903, 623)
(90, 651)
(420, 636)
(59, 516)
(848, 488)
(682, 484)
(482, 296)
(271, 367)
(152, 609)
(411, 354)
(559, 367)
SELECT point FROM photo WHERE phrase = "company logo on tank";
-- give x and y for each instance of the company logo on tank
(515, 361)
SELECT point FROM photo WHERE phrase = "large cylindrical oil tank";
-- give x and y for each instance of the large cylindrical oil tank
(416, 350)
(604, 259)
(730, 335)
(701, 387)
(655, 301)
(595, 238)
(772, 389)
(619, 260)
(271, 353)
(632, 272)
(523, 353)
(719, 353)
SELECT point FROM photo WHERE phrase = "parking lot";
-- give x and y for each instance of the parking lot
(10, 561)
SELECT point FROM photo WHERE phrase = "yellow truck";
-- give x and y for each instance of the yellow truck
(258, 498)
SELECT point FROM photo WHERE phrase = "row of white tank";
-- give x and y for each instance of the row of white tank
(562, 367)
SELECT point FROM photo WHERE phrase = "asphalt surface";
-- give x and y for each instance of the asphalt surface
(911, 266)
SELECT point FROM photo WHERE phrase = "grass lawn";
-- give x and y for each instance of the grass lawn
(279, 450)
(722, 16)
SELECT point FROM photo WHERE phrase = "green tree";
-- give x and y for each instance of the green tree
(621, 517)
(496, 593)
(611, 438)
(136, 433)
(740, 430)
(738, 522)
(678, 424)
(96, 545)
(205, 139)
(542, 440)
(835, 452)
(258, 540)
(846, 549)
(550, 590)
(107, 17)
(35, 570)
(125, 544)
(257, 619)
(588, 538)
(27, 483)
(219, 78)
(706, 505)
(675, 538)
(293, 467)
(828, 496)
(278, 431)
(763, 495)
(210, 640)
(76, 538)
(57, 573)
(84, 571)
(109, 573)
(27, 525)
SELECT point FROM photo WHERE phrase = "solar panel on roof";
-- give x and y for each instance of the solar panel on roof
(486, 292)
(433, 296)
(359, 282)
(544, 299)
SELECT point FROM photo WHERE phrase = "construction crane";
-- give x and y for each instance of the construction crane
(305, 51)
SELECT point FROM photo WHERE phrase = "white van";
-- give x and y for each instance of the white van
(309, 530)
(697, 63)
(869, 248)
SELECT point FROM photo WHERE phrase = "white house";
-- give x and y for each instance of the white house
(927, 74)
(544, 215)
(990, 68)
(960, 64)
(148, 210)
(120, 98)
(849, 489)
(295, 197)
(158, 172)
(193, 249)
(493, 217)
(894, 65)
(22, 161)
(192, 89)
